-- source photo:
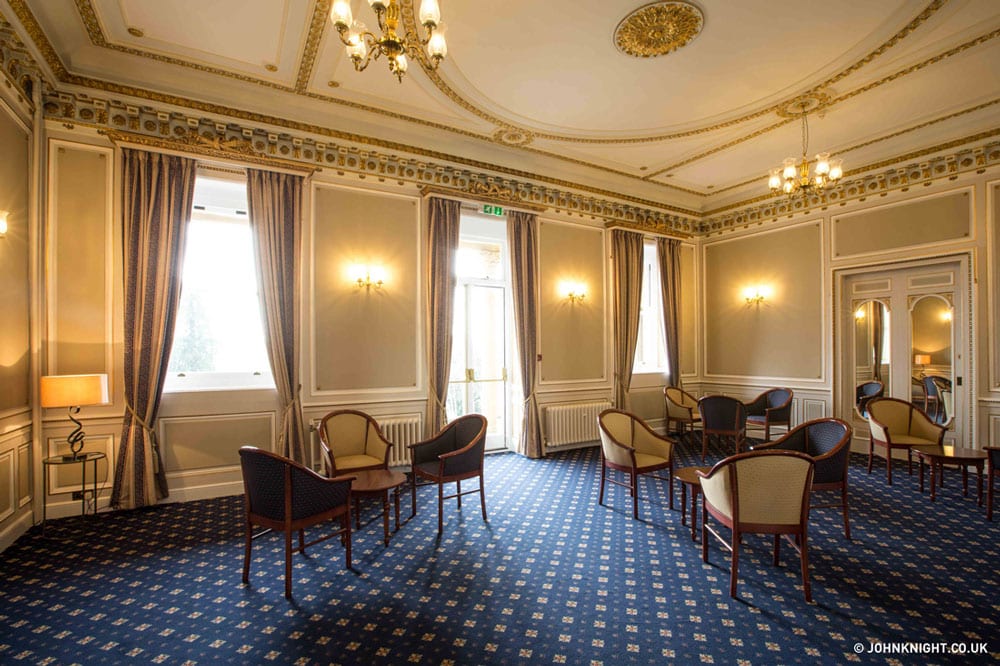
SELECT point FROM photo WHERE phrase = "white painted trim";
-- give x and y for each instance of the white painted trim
(992, 286)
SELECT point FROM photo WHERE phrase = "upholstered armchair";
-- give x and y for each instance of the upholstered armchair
(284, 496)
(722, 416)
(628, 445)
(759, 492)
(936, 388)
(682, 408)
(352, 441)
(864, 393)
(828, 443)
(451, 456)
(897, 424)
(769, 409)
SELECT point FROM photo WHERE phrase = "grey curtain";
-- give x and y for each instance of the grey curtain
(522, 230)
(626, 262)
(275, 218)
(157, 195)
(668, 251)
(878, 324)
(442, 243)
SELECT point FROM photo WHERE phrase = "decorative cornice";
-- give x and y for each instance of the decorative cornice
(320, 19)
(18, 71)
(488, 192)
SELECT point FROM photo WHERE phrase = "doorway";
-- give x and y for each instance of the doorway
(907, 326)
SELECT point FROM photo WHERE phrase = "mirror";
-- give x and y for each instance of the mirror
(871, 351)
(931, 355)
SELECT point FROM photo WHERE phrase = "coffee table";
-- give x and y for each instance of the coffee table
(938, 456)
(377, 483)
(688, 476)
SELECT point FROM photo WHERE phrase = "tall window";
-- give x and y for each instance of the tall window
(218, 337)
(651, 348)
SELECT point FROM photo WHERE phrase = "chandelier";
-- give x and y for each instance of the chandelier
(364, 46)
(805, 176)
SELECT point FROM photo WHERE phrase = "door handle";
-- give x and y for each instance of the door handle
(470, 375)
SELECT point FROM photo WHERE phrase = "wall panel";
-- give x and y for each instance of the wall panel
(207, 442)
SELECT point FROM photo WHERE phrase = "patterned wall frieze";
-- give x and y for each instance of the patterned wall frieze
(19, 73)
(899, 174)
(224, 139)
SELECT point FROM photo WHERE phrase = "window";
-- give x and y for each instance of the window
(218, 336)
(651, 348)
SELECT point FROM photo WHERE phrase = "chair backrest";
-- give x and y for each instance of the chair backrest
(466, 432)
(348, 432)
(892, 413)
(679, 402)
(872, 389)
(722, 413)
(762, 487)
(269, 480)
(616, 427)
(779, 397)
(931, 386)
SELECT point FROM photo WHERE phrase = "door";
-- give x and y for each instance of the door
(907, 327)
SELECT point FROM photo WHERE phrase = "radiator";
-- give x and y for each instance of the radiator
(401, 429)
(573, 422)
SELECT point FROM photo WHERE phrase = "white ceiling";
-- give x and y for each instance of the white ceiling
(698, 128)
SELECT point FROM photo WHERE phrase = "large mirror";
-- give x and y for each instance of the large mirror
(931, 355)
(871, 352)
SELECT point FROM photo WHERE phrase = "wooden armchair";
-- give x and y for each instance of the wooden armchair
(722, 416)
(284, 496)
(682, 408)
(769, 409)
(628, 445)
(865, 393)
(352, 441)
(897, 424)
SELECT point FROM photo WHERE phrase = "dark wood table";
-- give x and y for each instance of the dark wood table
(377, 483)
(688, 476)
(937, 457)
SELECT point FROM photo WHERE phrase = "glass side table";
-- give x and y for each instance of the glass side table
(82, 459)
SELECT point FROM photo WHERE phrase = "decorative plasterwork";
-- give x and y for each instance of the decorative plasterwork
(658, 28)
(18, 70)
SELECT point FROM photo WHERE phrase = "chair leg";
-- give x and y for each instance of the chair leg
(302, 541)
(413, 493)
(600, 495)
(440, 507)
(989, 505)
(634, 483)
(249, 542)
(734, 568)
(670, 491)
(847, 521)
(482, 497)
(909, 461)
(888, 464)
(871, 453)
(288, 564)
(704, 530)
(346, 522)
(804, 558)
(458, 493)
(704, 445)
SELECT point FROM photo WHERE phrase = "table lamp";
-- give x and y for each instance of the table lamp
(73, 392)
(921, 360)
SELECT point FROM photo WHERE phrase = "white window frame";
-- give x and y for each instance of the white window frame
(650, 322)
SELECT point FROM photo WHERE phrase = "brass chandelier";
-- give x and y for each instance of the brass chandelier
(806, 176)
(364, 46)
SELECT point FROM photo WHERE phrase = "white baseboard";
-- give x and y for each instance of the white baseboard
(13, 532)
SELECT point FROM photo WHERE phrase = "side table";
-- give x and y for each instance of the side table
(688, 476)
(82, 459)
(377, 483)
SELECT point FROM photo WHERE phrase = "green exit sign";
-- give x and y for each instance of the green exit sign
(490, 209)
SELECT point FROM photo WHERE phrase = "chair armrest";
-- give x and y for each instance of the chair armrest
(757, 406)
(880, 432)
(926, 429)
(312, 493)
(429, 450)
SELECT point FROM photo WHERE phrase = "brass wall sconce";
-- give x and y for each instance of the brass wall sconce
(576, 292)
(3, 223)
(367, 277)
(757, 294)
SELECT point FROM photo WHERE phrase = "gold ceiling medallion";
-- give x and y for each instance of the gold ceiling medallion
(658, 28)
(808, 103)
(512, 136)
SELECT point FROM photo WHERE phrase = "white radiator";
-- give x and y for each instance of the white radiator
(573, 422)
(401, 431)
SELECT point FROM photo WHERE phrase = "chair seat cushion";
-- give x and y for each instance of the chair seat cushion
(647, 460)
(910, 440)
(757, 419)
(347, 463)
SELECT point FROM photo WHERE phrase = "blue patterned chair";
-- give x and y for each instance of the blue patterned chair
(284, 496)
(866, 392)
(828, 443)
(771, 408)
(451, 456)
(724, 417)
(628, 445)
(759, 492)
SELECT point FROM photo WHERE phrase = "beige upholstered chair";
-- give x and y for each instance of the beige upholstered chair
(352, 441)
(897, 424)
(628, 445)
(760, 492)
(682, 408)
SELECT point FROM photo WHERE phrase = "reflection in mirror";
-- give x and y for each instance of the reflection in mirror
(931, 349)
(871, 352)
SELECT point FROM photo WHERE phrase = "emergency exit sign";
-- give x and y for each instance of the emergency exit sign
(490, 209)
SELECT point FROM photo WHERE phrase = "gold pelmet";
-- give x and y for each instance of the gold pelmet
(658, 28)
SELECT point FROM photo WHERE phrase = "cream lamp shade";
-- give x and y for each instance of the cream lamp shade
(74, 390)
(922, 359)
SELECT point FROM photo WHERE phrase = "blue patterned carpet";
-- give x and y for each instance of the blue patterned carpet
(553, 578)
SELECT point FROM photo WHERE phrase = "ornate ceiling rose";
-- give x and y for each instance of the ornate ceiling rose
(808, 103)
(658, 28)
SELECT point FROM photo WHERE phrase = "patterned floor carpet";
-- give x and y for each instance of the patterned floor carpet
(553, 578)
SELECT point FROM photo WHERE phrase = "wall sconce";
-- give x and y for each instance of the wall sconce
(946, 315)
(3, 223)
(574, 291)
(859, 314)
(367, 277)
(757, 294)
(73, 392)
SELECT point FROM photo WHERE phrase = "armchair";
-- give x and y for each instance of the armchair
(828, 443)
(771, 408)
(936, 387)
(352, 441)
(897, 424)
(628, 445)
(454, 454)
(284, 496)
(865, 393)
(724, 417)
(682, 408)
(759, 492)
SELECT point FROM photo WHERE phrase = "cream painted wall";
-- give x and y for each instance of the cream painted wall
(572, 335)
(15, 294)
(783, 336)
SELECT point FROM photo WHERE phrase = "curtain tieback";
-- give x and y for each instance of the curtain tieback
(154, 443)
(286, 414)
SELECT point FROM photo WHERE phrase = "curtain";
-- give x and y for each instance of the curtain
(627, 263)
(275, 213)
(157, 195)
(877, 327)
(668, 251)
(522, 229)
(442, 244)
